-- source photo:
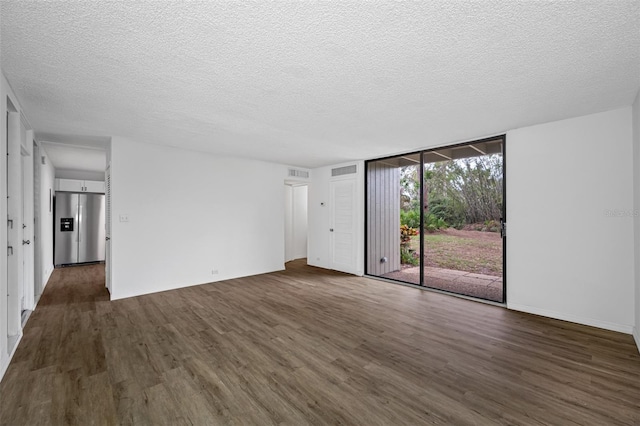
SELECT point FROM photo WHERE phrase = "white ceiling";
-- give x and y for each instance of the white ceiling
(311, 84)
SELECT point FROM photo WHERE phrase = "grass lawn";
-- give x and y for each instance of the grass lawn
(470, 251)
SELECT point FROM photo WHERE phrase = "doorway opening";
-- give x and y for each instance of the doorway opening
(436, 218)
(295, 229)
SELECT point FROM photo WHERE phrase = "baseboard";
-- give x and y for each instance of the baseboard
(636, 336)
(5, 365)
(622, 328)
(45, 281)
(168, 286)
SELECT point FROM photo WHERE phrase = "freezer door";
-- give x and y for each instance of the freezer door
(92, 232)
(66, 229)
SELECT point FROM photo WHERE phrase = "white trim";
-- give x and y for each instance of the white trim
(622, 328)
(4, 367)
(46, 280)
(636, 336)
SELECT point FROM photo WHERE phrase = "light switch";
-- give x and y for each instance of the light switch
(124, 218)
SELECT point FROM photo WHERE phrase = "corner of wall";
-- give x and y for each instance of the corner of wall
(635, 111)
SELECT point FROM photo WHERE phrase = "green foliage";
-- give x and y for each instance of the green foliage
(459, 192)
(449, 210)
(409, 257)
(488, 226)
(433, 223)
(406, 233)
(410, 218)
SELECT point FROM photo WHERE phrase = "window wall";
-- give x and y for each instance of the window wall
(435, 218)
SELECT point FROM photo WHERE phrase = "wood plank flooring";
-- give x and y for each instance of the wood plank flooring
(308, 346)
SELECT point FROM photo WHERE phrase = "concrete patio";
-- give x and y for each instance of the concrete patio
(467, 283)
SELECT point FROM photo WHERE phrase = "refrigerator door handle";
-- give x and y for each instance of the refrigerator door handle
(79, 221)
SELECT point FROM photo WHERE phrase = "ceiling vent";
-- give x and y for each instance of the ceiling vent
(299, 173)
(346, 170)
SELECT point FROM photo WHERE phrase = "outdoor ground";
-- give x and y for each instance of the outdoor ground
(461, 261)
(462, 250)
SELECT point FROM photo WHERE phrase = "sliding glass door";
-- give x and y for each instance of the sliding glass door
(435, 218)
(393, 218)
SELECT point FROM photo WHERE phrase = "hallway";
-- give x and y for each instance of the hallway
(59, 366)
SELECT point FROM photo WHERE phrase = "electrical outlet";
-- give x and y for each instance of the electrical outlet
(214, 272)
(124, 218)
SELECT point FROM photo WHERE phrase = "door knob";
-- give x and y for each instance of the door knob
(26, 242)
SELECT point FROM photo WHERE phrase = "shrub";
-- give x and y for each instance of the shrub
(409, 257)
(410, 218)
(406, 233)
(433, 223)
(449, 210)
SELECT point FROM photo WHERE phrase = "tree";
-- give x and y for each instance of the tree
(456, 191)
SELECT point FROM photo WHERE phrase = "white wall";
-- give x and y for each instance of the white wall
(6, 350)
(570, 225)
(636, 208)
(319, 217)
(191, 213)
(47, 188)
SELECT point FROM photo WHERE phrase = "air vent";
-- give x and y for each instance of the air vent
(298, 173)
(346, 170)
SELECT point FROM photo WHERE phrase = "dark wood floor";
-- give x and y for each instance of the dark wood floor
(308, 346)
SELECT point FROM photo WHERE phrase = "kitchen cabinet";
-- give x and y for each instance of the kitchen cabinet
(74, 185)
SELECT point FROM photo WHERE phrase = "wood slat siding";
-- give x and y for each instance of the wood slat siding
(383, 218)
(308, 346)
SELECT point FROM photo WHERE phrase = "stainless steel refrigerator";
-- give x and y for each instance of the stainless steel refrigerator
(79, 227)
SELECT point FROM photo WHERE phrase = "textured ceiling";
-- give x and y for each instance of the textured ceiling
(311, 84)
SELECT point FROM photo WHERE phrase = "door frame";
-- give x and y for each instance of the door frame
(27, 226)
(356, 237)
(291, 219)
(421, 174)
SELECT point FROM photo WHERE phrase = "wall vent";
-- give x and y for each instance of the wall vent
(346, 170)
(299, 173)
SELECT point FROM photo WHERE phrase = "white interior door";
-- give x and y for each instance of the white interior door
(37, 260)
(22, 239)
(107, 225)
(27, 229)
(343, 232)
(14, 221)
